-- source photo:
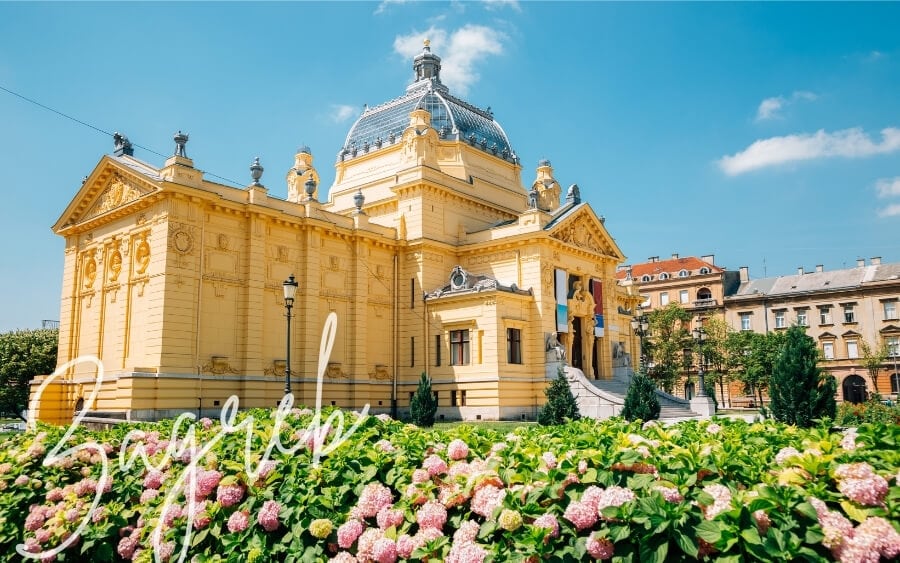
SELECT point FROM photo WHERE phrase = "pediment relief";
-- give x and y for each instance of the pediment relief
(586, 232)
(118, 192)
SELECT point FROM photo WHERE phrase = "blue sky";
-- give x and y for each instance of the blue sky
(766, 134)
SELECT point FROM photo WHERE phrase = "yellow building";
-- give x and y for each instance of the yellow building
(431, 252)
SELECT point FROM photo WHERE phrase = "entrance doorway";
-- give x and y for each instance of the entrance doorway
(576, 360)
(854, 388)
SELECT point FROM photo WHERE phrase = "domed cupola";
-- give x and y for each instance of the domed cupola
(452, 118)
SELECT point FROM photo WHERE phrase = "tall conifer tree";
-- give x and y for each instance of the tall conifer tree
(800, 393)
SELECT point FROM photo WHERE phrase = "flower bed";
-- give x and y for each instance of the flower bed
(716, 490)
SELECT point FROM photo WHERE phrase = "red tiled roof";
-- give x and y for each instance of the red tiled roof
(672, 267)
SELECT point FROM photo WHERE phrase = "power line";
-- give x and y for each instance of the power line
(99, 130)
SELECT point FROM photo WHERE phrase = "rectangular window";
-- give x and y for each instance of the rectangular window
(436, 398)
(828, 350)
(412, 351)
(663, 298)
(745, 321)
(687, 358)
(683, 296)
(412, 293)
(437, 349)
(802, 318)
(825, 315)
(779, 319)
(453, 398)
(462, 398)
(852, 349)
(890, 310)
(513, 346)
(849, 315)
(893, 346)
(459, 347)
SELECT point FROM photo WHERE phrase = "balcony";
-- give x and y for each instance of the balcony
(701, 303)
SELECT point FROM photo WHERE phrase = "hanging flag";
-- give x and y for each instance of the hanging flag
(597, 294)
(562, 310)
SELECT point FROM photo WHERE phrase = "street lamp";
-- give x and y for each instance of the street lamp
(290, 290)
(641, 327)
(700, 337)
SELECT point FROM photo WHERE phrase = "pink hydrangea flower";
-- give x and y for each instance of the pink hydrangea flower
(762, 521)
(549, 522)
(420, 476)
(592, 496)
(148, 495)
(365, 545)
(466, 552)
(343, 557)
(43, 535)
(388, 517)
(34, 520)
(229, 495)
(487, 499)
(435, 465)
(549, 460)
(784, 454)
(614, 496)
(860, 483)
(721, 500)
(238, 521)
(348, 532)
(165, 550)
(172, 512)
(466, 532)
(581, 514)
(207, 481)
(21, 480)
(373, 498)
(384, 551)
(671, 494)
(458, 450)
(126, 547)
(713, 428)
(432, 515)
(206, 422)
(582, 466)
(600, 548)
(405, 546)
(385, 446)
(154, 479)
(848, 442)
(268, 516)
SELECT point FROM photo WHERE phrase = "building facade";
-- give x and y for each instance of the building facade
(428, 248)
(843, 310)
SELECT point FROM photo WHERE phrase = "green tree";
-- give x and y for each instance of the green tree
(873, 359)
(715, 356)
(751, 359)
(423, 404)
(800, 393)
(669, 338)
(560, 405)
(641, 402)
(24, 354)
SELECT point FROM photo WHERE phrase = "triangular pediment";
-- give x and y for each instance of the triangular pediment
(110, 187)
(582, 228)
(890, 329)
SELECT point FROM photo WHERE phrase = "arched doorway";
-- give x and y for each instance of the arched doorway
(79, 405)
(576, 361)
(854, 388)
(689, 390)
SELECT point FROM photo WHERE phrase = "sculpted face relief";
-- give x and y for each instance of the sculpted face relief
(193, 481)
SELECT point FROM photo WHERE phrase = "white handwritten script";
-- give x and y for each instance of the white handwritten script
(187, 447)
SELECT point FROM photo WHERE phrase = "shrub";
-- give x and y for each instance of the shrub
(641, 402)
(873, 410)
(800, 393)
(560, 405)
(423, 404)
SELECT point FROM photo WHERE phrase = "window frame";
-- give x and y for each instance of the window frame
(889, 316)
(748, 326)
(852, 349)
(663, 296)
(780, 321)
(803, 317)
(460, 347)
(514, 346)
(826, 346)
(849, 313)
(684, 296)
(825, 317)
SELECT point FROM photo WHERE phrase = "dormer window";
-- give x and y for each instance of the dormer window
(704, 270)
(664, 276)
(683, 274)
(645, 278)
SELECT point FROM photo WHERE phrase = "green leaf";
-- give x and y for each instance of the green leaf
(709, 531)
(853, 511)
(687, 544)
(751, 536)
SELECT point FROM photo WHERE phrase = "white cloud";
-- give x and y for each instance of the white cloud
(383, 5)
(341, 112)
(770, 107)
(461, 51)
(500, 4)
(892, 210)
(848, 143)
(888, 187)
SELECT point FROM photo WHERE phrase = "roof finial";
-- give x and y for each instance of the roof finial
(181, 139)
(427, 44)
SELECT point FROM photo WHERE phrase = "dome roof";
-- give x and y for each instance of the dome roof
(451, 117)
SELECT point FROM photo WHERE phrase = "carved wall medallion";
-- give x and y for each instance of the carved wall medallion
(276, 369)
(282, 253)
(334, 262)
(90, 272)
(115, 265)
(222, 241)
(218, 365)
(182, 241)
(142, 254)
(381, 372)
(334, 371)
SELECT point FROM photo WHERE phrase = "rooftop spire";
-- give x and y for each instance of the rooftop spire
(427, 66)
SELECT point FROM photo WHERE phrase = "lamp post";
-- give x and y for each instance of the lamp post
(290, 290)
(700, 337)
(641, 327)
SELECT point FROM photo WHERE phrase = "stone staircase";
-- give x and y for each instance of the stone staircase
(603, 398)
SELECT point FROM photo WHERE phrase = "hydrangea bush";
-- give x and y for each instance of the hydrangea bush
(610, 490)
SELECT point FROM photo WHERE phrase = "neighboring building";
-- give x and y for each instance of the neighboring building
(842, 309)
(696, 284)
(431, 252)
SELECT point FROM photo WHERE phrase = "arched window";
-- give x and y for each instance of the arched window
(704, 270)
(645, 278)
(683, 274)
(895, 383)
(664, 276)
(704, 293)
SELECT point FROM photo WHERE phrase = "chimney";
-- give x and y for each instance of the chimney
(745, 273)
(653, 259)
(800, 271)
(820, 268)
(674, 256)
(876, 260)
(860, 262)
(709, 258)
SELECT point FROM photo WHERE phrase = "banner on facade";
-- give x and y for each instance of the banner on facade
(597, 294)
(561, 282)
